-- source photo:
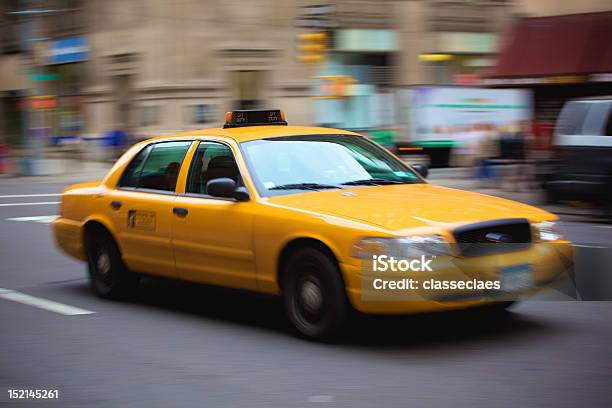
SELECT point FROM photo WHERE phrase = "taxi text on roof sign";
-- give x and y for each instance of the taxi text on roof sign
(258, 117)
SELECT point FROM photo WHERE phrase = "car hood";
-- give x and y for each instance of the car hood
(399, 207)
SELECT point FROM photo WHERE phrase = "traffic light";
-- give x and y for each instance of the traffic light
(312, 47)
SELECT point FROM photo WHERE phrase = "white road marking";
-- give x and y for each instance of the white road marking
(24, 204)
(30, 195)
(42, 303)
(43, 219)
(321, 398)
(589, 246)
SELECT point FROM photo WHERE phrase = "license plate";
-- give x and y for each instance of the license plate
(515, 278)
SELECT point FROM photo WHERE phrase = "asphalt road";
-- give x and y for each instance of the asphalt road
(180, 345)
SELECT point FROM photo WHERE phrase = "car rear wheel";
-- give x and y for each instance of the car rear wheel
(109, 277)
(313, 294)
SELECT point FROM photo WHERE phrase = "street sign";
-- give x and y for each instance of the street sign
(44, 77)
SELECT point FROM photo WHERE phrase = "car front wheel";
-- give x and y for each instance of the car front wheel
(313, 294)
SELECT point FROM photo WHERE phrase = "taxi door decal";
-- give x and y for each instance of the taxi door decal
(141, 220)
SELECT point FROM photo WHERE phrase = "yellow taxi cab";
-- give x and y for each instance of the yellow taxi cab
(288, 210)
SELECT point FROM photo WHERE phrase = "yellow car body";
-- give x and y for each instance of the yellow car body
(242, 244)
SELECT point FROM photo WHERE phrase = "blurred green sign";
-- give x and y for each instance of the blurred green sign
(366, 40)
(45, 77)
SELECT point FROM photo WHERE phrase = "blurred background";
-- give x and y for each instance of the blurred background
(451, 83)
(506, 97)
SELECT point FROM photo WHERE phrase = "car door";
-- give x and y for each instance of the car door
(212, 237)
(142, 206)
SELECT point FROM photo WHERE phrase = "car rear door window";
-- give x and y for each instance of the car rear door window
(156, 167)
(162, 166)
(130, 176)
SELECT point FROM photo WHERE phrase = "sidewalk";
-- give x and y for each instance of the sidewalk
(63, 171)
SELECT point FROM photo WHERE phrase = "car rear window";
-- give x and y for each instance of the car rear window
(595, 119)
(571, 118)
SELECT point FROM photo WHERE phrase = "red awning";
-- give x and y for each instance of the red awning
(558, 45)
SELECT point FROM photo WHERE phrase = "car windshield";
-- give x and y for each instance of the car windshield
(294, 164)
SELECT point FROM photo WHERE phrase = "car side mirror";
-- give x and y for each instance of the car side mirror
(227, 188)
(422, 169)
(241, 194)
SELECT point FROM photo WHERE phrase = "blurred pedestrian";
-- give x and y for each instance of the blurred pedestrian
(462, 152)
(518, 173)
(487, 150)
(116, 142)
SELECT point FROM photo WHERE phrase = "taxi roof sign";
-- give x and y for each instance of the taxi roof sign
(256, 117)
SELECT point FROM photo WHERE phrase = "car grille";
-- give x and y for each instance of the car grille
(492, 237)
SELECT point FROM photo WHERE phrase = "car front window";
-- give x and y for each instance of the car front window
(293, 164)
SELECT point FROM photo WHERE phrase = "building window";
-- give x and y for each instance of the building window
(198, 114)
(150, 115)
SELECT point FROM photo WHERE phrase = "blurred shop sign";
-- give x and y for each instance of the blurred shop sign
(471, 43)
(43, 76)
(436, 57)
(366, 40)
(466, 79)
(39, 103)
(335, 86)
(67, 50)
(478, 62)
(557, 80)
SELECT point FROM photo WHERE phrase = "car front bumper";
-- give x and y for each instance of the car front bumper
(549, 263)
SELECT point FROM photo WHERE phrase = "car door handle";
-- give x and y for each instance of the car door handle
(180, 211)
(115, 204)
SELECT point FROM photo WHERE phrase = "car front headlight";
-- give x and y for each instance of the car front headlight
(547, 231)
(404, 247)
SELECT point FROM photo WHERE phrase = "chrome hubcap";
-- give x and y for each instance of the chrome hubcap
(311, 297)
(103, 263)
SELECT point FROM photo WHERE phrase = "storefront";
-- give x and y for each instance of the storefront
(67, 59)
(351, 90)
(458, 57)
(13, 86)
(558, 58)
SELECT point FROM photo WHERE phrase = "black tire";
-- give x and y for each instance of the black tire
(314, 294)
(108, 275)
